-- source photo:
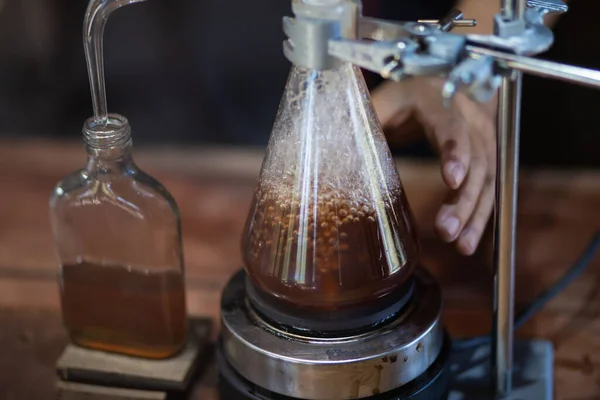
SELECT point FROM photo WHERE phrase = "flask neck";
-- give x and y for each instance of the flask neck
(107, 142)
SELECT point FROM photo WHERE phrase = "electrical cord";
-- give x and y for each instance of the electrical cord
(541, 300)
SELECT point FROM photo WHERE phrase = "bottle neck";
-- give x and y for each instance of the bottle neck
(107, 143)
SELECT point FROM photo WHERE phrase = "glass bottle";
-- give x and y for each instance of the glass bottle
(329, 227)
(117, 234)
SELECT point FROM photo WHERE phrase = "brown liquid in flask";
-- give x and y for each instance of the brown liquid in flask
(330, 253)
(330, 227)
(119, 309)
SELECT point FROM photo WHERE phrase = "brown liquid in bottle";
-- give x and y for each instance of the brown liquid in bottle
(330, 252)
(118, 309)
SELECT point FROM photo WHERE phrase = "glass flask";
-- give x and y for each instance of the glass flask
(117, 234)
(330, 227)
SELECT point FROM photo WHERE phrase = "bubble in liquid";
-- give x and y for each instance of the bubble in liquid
(330, 259)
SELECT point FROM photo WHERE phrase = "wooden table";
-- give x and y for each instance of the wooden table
(558, 213)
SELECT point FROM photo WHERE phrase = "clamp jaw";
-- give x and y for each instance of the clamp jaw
(325, 34)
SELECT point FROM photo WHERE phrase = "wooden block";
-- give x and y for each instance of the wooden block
(80, 365)
(80, 391)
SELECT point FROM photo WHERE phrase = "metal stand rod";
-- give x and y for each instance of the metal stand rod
(507, 179)
(543, 68)
(509, 113)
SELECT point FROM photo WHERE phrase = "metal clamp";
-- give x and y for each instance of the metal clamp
(453, 19)
(523, 37)
(317, 22)
(325, 36)
(477, 75)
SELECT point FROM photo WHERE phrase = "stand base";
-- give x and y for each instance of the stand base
(92, 374)
(532, 372)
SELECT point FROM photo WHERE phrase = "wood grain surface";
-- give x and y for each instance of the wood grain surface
(558, 213)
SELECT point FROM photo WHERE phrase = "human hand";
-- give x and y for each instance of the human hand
(464, 136)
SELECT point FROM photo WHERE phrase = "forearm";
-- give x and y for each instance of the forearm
(483, 11)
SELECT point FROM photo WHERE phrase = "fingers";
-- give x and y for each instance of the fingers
(464, 217)
(455, 213)
(483, 127)
(448, 132)
(465, 138)
(471, 235)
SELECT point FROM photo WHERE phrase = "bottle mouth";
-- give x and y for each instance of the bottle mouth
(105, 134)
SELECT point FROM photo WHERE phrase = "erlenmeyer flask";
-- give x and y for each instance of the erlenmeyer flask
(330, 227)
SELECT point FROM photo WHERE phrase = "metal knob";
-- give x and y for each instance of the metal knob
(451, 20)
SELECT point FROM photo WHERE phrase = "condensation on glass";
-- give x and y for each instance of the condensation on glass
(329, 226)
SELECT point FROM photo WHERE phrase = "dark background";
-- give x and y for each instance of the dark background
(212, 72)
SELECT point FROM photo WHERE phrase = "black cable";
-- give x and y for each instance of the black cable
(525, 315)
